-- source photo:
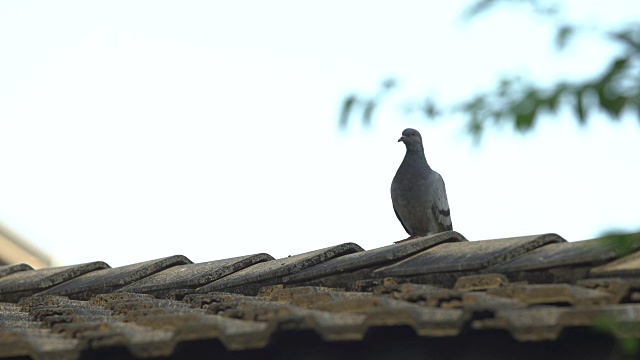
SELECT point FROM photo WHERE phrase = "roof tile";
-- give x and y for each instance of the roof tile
(277, 269)
(43, 341)
(473, 255)
(191, 276)
(374, 257)
(25, 283)
(108, 280)
(480, 282)
(620, 289)
(10, 269)
(533, 294)
(625, 266)
(547, 322)
(567, 253)
(400, 312)
(310, 296)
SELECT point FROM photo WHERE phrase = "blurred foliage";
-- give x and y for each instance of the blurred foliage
(521, 102)
(538, 7)
(367, 104)
(625, 334)
(622, 242)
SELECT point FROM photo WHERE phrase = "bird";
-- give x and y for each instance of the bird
(418, 193)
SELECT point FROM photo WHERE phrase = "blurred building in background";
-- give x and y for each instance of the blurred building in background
(15, 250)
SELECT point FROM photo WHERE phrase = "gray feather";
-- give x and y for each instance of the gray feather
(418, 193)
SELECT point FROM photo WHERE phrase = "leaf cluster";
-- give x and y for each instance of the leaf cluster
(521, 102)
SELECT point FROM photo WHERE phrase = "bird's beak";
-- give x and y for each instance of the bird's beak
(402, 138)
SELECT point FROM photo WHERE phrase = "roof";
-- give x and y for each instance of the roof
(439, 296)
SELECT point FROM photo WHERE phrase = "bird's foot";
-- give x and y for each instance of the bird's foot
(407, 239)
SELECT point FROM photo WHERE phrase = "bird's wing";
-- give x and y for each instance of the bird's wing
(398, 202)
(440, 204)
(403, 225)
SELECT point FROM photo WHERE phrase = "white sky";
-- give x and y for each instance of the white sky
(136, 130)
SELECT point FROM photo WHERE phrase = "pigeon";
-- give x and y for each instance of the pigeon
(417, 192)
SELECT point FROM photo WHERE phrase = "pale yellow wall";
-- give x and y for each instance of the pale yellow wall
(15, 250)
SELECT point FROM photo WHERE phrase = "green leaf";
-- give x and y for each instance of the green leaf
(630, 37)
(554, 99)
(504, 87)
(622, 243)
(579, 106)
(629, 346)
(564, 34)
(615, 106)
(388, 84)
(431, 109)
(475, 127)
(525, 120)
(611, 326)
(347, 106)
(478, 7)
(368, 110)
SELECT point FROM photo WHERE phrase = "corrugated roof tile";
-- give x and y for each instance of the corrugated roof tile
(26, 283)
(400, 312)
(480, 282)
(473, 255)
(547, 322)
(534, 294)
(10, 269)
(191, 276)
(277, 269)
(625, 266)
(374, 257)
(109, 280)
(568, 253)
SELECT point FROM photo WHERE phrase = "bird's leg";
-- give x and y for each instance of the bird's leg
(407, 239)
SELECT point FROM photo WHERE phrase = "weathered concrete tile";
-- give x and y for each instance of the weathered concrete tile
(310, 296)
(480, 282)
(547, 322)
(429, 296)
(13, 346)
(43, 344)
(374, 257)
(10, 269)
(364, 305)
(479, 301)
(620, 289)
(235, 334)
(109, 280)
(625, 266)
(381, 312)
(568, 253)
(26, 283)
(432, 322)
(193, 275)
(280, 293)
(528, 324)
(334, 327)
(534, 294)
(107, 300)
(37, 301)
(140, 341)
(280, 267)
(464, 256)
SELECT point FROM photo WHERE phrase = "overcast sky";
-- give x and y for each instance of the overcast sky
(137, 130)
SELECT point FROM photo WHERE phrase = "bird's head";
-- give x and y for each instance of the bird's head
(412, 139)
